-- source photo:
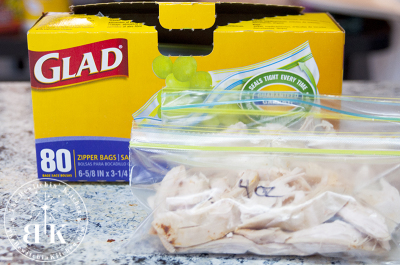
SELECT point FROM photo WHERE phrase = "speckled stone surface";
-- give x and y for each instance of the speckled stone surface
(113, 213)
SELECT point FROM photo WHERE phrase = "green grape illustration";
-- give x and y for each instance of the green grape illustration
(171, 81)
(227, 118)
(159, 112)
(201, 80)
(245, 119)
(159, 97)
(162, 66)
(184, 68)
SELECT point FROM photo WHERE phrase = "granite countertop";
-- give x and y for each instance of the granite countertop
(113, 212)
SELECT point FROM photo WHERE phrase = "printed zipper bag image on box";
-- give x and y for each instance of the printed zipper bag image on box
(295, 70)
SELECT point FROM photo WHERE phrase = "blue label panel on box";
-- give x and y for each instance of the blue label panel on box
(83, 158)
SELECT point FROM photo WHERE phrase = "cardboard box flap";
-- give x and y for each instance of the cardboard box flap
(176, 23)
(143, 12)
(186, 15)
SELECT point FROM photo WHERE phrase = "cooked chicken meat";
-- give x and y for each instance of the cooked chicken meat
(272, 211)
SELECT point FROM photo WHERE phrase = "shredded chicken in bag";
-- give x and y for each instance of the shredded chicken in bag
(272, 211)
(279, 173)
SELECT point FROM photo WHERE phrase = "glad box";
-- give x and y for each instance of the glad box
(92, 69)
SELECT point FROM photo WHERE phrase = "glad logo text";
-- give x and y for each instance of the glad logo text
(79, 64)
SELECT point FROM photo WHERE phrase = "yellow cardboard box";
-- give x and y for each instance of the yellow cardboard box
(92, 69)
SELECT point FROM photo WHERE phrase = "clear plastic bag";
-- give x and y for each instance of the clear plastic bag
(297, 175)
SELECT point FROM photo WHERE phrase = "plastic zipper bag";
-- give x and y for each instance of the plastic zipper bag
(296, 176)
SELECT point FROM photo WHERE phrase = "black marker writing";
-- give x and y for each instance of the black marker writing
(246, 187)
(264, 191)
